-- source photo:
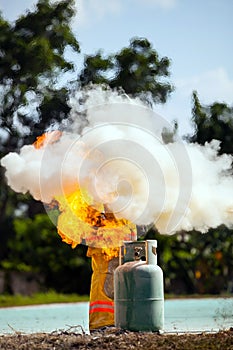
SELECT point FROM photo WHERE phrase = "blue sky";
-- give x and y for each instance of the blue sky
(195, 34)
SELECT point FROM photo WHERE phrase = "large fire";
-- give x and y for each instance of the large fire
(83, 221)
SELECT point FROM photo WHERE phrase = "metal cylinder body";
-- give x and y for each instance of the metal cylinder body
(139, 295)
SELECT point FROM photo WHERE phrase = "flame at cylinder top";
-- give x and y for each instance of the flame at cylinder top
(81, 220)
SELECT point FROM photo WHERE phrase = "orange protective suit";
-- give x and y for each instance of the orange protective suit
(104, 262)
(101, 312)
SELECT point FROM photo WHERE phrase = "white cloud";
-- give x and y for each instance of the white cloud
(88, 11)
(212, 86)
(165, 4)
(92, 10)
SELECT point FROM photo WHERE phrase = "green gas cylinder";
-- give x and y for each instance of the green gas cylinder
(138, 292)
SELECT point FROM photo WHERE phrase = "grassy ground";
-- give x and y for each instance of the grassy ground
(113, 338)
(40, 298)
(53, 297)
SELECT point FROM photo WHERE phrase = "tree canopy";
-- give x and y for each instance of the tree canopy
(32, 59)
(213, 122)
(137, 69)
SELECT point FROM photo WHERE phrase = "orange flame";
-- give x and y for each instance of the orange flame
(80, 221)
(47, 138)
(83, 221)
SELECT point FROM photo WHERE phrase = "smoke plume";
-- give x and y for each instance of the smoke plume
(116, 154)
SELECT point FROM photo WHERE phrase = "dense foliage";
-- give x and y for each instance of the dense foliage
(136, 69)
(213, 122)
(31, 100)
(196, 263)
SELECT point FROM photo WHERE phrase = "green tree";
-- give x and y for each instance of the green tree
(37, 248)
(137, 69)
(194, 262)
(32, 63)
(213, 122)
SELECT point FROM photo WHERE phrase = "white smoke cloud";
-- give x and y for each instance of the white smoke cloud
(120, 159)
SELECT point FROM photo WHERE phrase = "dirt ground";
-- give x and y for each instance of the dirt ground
(113, 338)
